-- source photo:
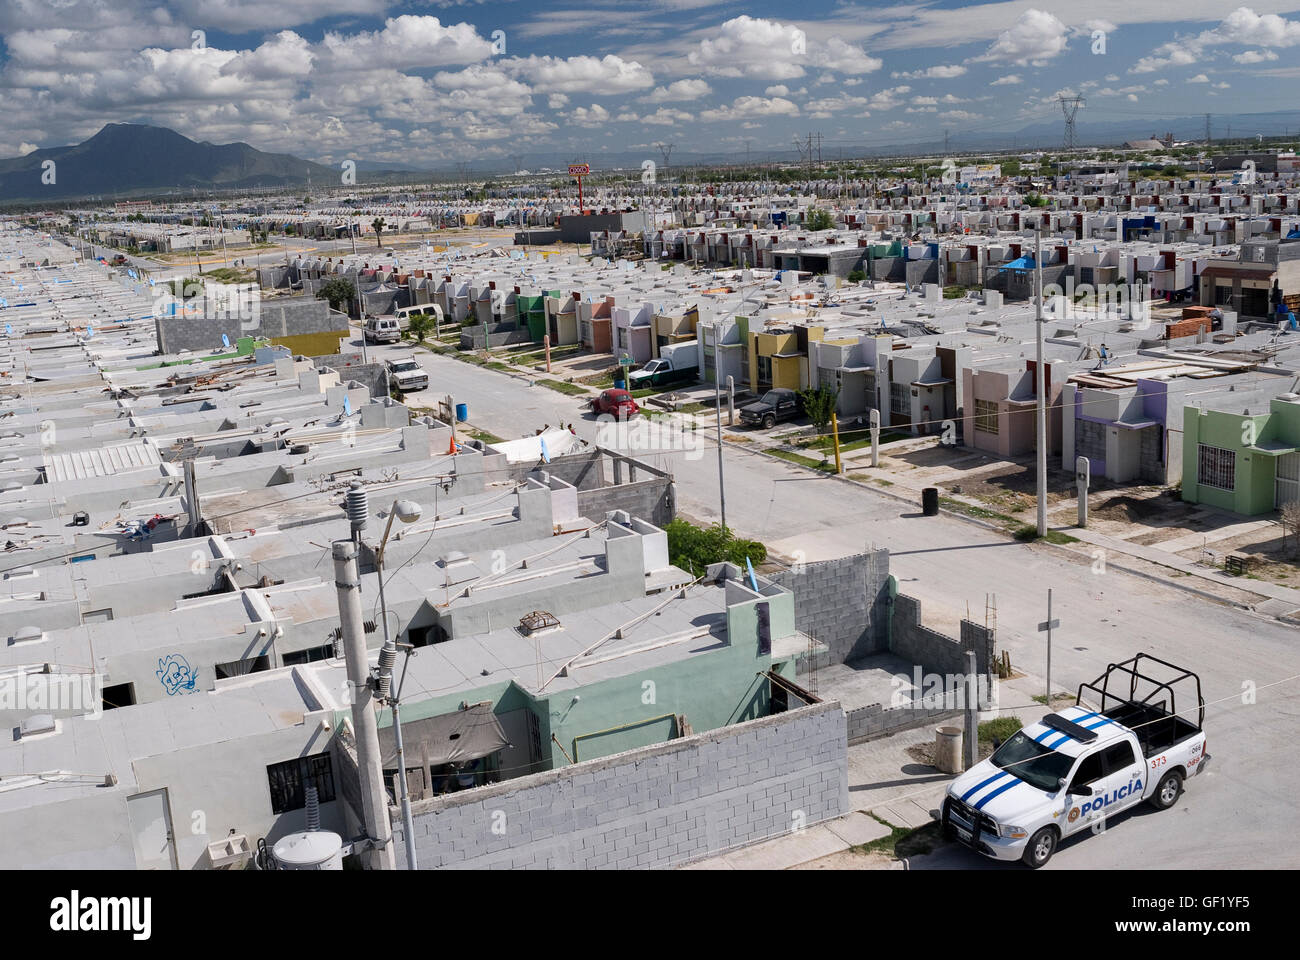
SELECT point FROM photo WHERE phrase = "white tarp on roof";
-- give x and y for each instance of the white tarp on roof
(529, 449)
(101, 462)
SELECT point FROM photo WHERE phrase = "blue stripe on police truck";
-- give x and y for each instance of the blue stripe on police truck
(993, 793)
(980, 786)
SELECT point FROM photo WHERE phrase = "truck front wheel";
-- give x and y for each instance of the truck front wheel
(1168, 790)
(769, 421)
(1040, 848)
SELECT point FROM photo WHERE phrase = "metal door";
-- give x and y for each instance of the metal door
(151, 830)
(1286, 485)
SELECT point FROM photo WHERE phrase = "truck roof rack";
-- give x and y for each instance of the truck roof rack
(1140, 681)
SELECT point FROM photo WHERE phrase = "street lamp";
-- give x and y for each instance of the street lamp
(408, 511)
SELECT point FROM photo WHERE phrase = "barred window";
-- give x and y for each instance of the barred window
(1216, 467)
(288, 779)
(986, 416)
(899, 399)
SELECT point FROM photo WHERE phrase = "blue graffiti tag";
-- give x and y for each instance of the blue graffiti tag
(176, 675)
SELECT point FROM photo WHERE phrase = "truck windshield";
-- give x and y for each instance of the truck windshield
(1037, 765)
(406, 367)
(771, 397)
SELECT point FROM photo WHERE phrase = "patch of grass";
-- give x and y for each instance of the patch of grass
(999, 728)
(1028, 533)
(484, 435)
(803, 461)
(903, 842)
(497, 365)
(1056, 698)
(694, 408)
(979, 513)
(559, 386)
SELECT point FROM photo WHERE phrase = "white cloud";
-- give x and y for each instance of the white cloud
(777, 90)
(679, 90)
(26, 148)
(938, 72)
(748, 46)
(1255, 56)
(743, 108)
(1199, 78)
(592, 116)
(1009, 80)
(1243, 26)
(1036, 38)
(408, 41)
(668, 117)
(557, 101)
(606, 75)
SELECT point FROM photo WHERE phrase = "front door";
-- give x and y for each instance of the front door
(151, 830)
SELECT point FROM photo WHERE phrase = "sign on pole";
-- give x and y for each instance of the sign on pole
(579, 169)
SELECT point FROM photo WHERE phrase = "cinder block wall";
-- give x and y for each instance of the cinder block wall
(933, 651)
(656, 807)
(843, 603)
(874, 721)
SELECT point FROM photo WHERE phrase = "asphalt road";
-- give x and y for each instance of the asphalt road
(1235, 815)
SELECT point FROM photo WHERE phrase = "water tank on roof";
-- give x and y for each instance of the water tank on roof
(314, 850)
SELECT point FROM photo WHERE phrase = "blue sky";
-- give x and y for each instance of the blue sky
(436, 83)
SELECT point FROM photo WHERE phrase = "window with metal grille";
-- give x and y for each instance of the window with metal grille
(764, 369)
(900, 399)
(986, 416)
(1216, 467)
(288, 779)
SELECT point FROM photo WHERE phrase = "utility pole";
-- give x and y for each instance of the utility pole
(971, 741)
(1039, 378)
(1047, 626)
(374, 799)
(717, 400)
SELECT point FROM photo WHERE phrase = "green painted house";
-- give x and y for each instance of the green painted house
(1241, 460)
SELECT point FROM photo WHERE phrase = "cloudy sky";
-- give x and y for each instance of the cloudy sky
(435, 83)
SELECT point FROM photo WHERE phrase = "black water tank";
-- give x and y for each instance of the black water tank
(930, 501)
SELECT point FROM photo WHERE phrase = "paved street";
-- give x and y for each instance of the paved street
(1232, 816)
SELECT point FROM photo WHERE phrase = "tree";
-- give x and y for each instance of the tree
(857, 276)
(336, 290)
(819, 219)
(378, 224)
(421, 326)
(694, 548)
(1291, 518)
(819, 405)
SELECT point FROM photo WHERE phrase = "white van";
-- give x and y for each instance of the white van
(381, 330)
(404, 314)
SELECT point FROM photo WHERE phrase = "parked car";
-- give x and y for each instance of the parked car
(381, 330)
(778, 404)
(618, 403)
(407, 374)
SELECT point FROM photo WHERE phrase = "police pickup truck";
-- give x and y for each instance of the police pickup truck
(1074, 769)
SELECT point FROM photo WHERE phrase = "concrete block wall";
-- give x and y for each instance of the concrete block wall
(842, 603)
(654, 807)
(930, 649)
(874, 721)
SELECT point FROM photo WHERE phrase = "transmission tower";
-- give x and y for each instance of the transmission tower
(666, 151)
(1070, 106)
(518, 158)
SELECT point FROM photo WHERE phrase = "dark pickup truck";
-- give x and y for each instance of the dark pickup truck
(777, 404)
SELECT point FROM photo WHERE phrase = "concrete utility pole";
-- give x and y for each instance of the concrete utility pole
(1047, 626)
(374, 799)
(1082, 469)
(971, 740)
(717, 400)
(875, 437)
(1039, 378)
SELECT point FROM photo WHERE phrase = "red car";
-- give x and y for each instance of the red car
(618, 403)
